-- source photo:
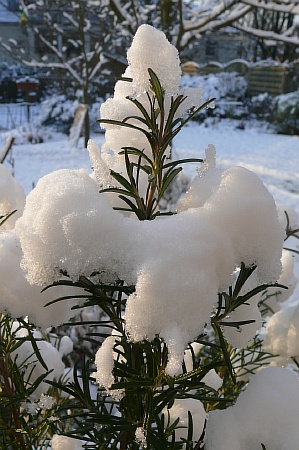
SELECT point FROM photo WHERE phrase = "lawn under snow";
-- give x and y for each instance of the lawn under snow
(275, 158)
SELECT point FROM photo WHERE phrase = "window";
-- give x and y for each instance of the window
(210, 49)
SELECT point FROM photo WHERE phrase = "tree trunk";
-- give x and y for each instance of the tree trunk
(86, 127)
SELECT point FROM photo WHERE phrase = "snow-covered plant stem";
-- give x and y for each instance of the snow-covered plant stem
(159, 127)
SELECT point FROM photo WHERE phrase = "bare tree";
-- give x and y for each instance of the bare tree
(184, 21)
(74, 35)
(70, 36)
(275, 27)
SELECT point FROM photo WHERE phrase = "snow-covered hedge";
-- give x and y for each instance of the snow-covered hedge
(286, 113)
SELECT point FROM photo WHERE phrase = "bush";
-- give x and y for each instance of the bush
(58, 111)
(228, 88)
(261, 106)
(286, 113)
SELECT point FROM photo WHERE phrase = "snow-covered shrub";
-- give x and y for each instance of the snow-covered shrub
(229, 85)
(228, 88)
(286, 113)
(9, 73)
(261, 106)
(179, 290)
(59, 110)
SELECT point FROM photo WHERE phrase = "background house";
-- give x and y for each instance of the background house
(11, 28)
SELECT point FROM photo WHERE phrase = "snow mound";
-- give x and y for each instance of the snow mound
(265, 413)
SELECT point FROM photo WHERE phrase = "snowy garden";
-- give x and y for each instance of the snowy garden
(166, 255)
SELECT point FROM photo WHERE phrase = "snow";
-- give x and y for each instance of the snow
(20, 298)
(227, 217)
(180, 410)
(24, 356)
(65, 443)
(265, 413)
(141, 57)
(12, 198)
(104, 361)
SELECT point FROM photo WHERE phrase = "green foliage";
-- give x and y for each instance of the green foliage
(24, 422)
(159, 127)
(142, 392)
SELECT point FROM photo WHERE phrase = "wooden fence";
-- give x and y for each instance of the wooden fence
(275, 79)
(270, 79)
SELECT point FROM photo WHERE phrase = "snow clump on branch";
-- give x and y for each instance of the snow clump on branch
(151, 49)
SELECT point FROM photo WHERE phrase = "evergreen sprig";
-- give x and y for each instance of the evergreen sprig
(159, 127)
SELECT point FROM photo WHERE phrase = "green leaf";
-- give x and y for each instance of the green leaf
(236, 324)
(66, 297)
(119, 191)
(225, 351)
(4, 218)
(244, 274)
(124, 79)
(126, 125)
(123, 181)
(157, 88)
(139, 213)
(166, 397)
(170, 123)
(137, 152)
(182, 161)
(139, 119)
(147, 119)
(242, 299)
(32, 340)
(167, 179)
(190, 427)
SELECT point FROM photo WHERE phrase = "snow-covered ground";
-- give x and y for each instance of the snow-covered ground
(275, 158)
